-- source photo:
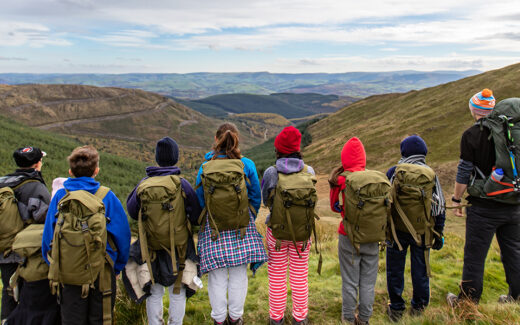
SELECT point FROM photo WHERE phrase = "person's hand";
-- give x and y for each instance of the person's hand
(458, 210)
(438, 240)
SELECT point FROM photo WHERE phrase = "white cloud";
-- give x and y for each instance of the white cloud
(34, 35)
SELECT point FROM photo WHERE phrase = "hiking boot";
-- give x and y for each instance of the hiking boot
(239, 321)
(505, 299)
(302, 322)
(415, 312)
(274, 322)
(360, 322)
(394, 314)
(346, 321)
(225, 322)
(452, 300)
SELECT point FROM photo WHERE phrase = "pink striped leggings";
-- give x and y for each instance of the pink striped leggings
(277, 273)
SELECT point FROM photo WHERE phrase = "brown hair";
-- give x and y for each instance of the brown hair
(83, 161)
(227, 141)
(333, 178)
(290, 155)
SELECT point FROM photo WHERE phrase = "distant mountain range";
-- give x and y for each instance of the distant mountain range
(200, 85)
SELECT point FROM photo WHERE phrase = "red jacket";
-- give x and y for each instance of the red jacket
(353, 159)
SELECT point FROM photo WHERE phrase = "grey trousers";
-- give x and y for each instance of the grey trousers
(358, 275)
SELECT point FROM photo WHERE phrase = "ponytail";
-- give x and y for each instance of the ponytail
(227, 142)
(333, 178)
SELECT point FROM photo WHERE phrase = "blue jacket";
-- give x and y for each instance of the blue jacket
(253, 187)
(118, 226)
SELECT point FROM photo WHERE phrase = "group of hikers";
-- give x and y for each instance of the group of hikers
(61, 254)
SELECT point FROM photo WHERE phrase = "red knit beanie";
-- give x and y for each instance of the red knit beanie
(288, 141)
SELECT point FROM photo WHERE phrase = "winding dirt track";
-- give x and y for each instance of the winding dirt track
(48, 126)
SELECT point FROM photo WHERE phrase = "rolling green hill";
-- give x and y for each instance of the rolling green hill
(287, 104)
(118, 173)
(122, 120)
(439, 114)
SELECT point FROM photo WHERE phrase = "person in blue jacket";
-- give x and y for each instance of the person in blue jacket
(84, 167)
(225, 259)
(413, 151)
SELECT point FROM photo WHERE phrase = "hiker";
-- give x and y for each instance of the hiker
(85, 261)
(413, 171)
(365, 211)
(164, 184)
(25, 199)
(288, 248)
(229, 192)
(487, 171)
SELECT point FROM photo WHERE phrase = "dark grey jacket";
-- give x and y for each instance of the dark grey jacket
(33, 200)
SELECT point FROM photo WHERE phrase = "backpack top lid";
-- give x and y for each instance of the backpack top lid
(168, 183)
(222, 166)
(415, 174)
(30, 237)
(90, 203)
(360, 179)
(509, 107)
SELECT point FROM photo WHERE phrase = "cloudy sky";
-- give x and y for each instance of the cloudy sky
(119, 36)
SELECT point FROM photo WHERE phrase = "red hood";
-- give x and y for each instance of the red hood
(353, 156)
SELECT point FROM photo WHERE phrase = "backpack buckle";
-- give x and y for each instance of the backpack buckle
(84, 226)
(360, 204)
(237, 188)
(287, 204)
(211, 189)
(310, 203)
(167, 206)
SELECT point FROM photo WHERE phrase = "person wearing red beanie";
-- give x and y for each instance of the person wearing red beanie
(288, 141)
(288, 161)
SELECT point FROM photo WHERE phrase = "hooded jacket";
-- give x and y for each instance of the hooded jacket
(118, 226)
(33, 200)
(353, 159)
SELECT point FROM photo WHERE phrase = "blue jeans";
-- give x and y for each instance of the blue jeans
(395, 264)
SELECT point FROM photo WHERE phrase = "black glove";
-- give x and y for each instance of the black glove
(438, 240)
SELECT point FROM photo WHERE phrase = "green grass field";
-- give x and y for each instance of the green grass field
(325, 290)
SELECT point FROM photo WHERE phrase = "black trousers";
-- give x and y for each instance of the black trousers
(8, 303)
(37, 305)
(84, 311)
(481, 225)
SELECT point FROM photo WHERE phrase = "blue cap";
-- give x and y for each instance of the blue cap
(499, 171)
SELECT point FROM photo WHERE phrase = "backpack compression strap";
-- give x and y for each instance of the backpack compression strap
(105, 276)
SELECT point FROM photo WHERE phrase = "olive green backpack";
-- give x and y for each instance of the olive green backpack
(28, 244)
(412, 192)
(225, 192)
(78, 252)
(162, 220)
(367, 207)
(11, 222)
(292, 204)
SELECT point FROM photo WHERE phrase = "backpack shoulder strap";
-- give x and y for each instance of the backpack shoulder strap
(102, 192)
(31, 180)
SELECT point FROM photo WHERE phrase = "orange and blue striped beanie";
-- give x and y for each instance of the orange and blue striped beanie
(482, 103)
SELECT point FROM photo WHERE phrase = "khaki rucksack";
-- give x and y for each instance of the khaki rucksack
(162, 220)
(412, 192)
(292, 204)
(78, 253)
(11, 222)
(28, 244)
(367, 207)
(225, 193)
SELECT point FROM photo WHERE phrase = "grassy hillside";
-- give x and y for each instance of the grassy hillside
(439, 114)
(200, 85)
(117, 117)
(120, 174)
(248, 103)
